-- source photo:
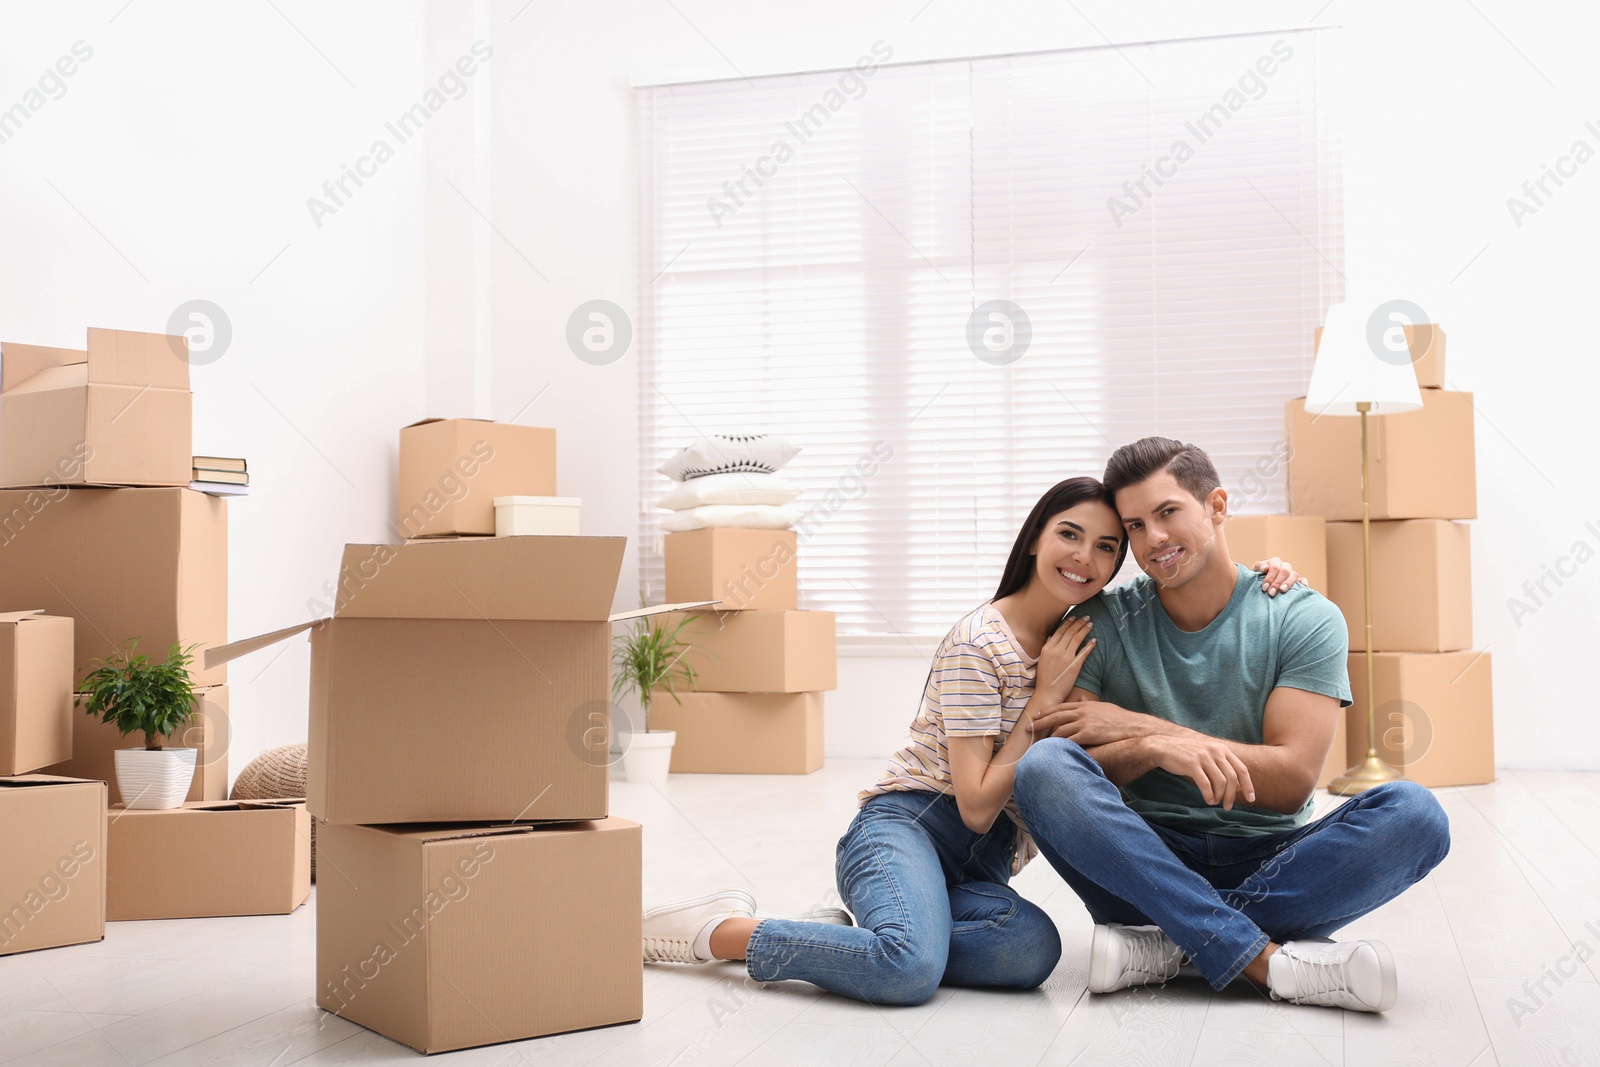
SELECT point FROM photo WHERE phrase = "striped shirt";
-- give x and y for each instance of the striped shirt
(978, 686)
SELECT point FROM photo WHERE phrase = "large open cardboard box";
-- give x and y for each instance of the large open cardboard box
(121, 563)
(1435, 715)
(452, 469)
(118, 413)
(246, 857)
(1422, 462)
(742, 569)
(94, 744)
(449, 937)
(1296, 539)
(1421, 584)
(742, 733)
(35, 691)
(52, 862)
(760, 651)
(459, 681)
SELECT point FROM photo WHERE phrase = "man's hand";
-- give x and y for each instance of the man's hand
(1208, 762)
(1094, 722)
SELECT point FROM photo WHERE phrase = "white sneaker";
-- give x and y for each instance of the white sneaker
(1358, 975)
(831, 916)
(1123, 956)
(680, 932)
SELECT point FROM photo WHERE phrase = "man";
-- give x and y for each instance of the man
(1174, 793)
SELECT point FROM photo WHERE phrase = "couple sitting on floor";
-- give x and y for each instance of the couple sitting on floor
(1158, 742)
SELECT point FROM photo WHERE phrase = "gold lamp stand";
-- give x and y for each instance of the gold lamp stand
(1372, 770)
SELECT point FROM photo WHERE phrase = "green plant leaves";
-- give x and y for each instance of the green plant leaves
(155, 699)
(650, 657)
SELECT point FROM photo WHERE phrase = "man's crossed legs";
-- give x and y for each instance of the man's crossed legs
(1223, 900)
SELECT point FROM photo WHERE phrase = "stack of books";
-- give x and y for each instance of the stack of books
(220, 476)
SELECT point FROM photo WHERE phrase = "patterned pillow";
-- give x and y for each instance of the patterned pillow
(725, 453)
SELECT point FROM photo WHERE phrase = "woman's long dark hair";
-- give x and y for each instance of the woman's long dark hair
(1058, 498)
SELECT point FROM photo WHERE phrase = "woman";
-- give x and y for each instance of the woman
(925, 864)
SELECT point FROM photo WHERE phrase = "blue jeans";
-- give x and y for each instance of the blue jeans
(931, 903)
(1223, 899)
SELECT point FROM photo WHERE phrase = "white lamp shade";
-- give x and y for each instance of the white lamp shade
(1348, 371)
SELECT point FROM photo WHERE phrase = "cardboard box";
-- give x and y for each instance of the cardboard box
(452, 469)
(1421, 584)
(94, 746)
(1425, 342)
(35, 691)
(122, 563)
(245, 857)
(1422, 462)
(459, 681)
(760, 651)
(452, 937)
(742, 569)
(118, 413)
(742, 733)
(1296, 539)
(1435, 715)
(53, 877)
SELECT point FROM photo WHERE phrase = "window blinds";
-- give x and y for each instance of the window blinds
(820, 253)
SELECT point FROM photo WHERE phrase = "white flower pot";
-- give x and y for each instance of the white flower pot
(648, 756)
(154, 778)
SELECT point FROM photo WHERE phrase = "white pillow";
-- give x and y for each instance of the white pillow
(724, 453)
(741, 488)
(739, 516)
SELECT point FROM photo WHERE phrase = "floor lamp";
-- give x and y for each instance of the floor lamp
(1356, 374)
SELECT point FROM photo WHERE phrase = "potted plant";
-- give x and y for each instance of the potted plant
(153, 699)
(650, 658)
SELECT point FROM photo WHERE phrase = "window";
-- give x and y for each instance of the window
(820, 252)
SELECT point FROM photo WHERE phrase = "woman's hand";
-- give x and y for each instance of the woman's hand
(1062, 658)
(1279, 576)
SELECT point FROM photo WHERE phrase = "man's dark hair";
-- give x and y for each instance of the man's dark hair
(1132, 464)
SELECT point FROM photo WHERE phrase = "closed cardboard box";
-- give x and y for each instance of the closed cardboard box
(94, 744)
(118, 413)
(741, 569)
(1425, 343)
(53, 874)
(760, 651)
(122, 563)
(452, 469)
(460, 680)
(1421, 584)
(1435, 715)
(451, 937)
(742, 733)
(245, 857)
(1296, 539)
(1422, 462)
(35, 691)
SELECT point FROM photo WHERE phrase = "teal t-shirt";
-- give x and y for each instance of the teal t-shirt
(1215, 680)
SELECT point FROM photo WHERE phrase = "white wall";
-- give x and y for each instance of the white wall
(193, 137)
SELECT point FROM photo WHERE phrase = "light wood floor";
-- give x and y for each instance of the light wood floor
(1512, 904)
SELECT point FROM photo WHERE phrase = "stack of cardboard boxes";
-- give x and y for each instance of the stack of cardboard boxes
(52, 828)
(97, 527)
(761, 664)
(1434, 706)
(472, 887)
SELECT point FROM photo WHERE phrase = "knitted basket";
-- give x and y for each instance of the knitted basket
(275, 774)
